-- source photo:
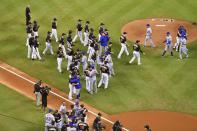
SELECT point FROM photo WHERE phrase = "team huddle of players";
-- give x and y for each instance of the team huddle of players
(97, 56)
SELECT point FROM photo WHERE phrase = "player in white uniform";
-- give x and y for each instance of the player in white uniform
(183, 48)
(148, 37)
(86, 33)
(84, 61)
(104, 76)
(48, 44)
(49, 120)
(60, 56)
(136, 53)
(79, 32)
(93, 81)
(168, 45)
(69, 57)
(54, 29)
(87, 78)
(123, 43)
(110, 64)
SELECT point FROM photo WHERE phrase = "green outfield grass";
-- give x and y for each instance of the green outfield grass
(159, 84)
(18, 113)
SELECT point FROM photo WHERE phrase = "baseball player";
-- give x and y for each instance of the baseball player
(48, 44)
(30, 46)
(28, 31)
(91, 49)
(78, 87)
(123, 40)
(183, 47)
(27, 14)
(168, 45)
(37, 88)
(60, 55)
(87, 78)
(148, 36)
(71, 86)
(49, 120)
(93, 82)
(35, 52)
(58, 122)
(104, 39)
(108, 58)
(54, 29)
(69, 39)
(181, 31)
(136, 53)
(86, 33)
(147, 128)
(69, 57)
(104, 75)
(84, 61)
(79, 32)
(62, 43)
(101, 30)
(35, 28)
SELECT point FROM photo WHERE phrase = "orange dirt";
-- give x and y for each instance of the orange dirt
(136, 29)
(158, 120)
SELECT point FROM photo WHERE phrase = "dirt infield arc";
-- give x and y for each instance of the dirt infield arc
(159, 120)
(136, 29)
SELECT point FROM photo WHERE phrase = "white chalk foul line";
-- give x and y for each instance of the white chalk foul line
(161, 25)
(30, 81)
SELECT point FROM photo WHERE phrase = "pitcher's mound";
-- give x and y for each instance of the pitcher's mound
(136, 29)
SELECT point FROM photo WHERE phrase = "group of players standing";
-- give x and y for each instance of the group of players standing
(98, 53)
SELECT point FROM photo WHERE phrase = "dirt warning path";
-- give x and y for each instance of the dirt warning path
(136, 29)
(158, 120)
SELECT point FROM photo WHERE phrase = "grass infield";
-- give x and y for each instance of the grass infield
(18, 113)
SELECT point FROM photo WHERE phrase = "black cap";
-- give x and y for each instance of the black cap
(124, 32)
(54, 19)
(70, 32)
(63, 34)
(87, 22)
(102, 24)
(79, 20)
(137, 41)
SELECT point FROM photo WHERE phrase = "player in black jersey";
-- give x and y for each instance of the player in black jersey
(54, 29)
(101, 30)
(35, 51)
(27, 14)
(104, 75)
(136, 53)
(35, 28)
(30, 46)
(79, 29)
(69, 39)
(60, 55)
(48, 44)
(28, 31)
(123, 43)
(86, 33)
(62, 44)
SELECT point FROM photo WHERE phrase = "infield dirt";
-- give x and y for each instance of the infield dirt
(137, 29)
(158, 120)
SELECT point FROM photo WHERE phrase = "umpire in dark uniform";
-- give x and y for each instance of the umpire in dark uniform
(44, 92)
(27, 14)
(97, 125)
(37, 88)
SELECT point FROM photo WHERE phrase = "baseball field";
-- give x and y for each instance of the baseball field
(159, 84)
